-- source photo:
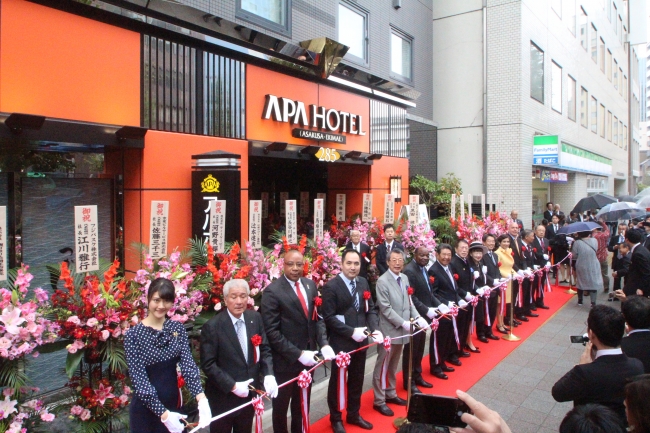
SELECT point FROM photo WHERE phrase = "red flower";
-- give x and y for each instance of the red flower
(201, 269)
(410, 291)
(549, 249)
(257, 339)
(512, 253)
(534, 250)
(180, 381)
(456, 277)
(499, 264)
(318, 301)
(363, 255)
(87, 392)
(523, 248)
(366, 295)
(431, 279)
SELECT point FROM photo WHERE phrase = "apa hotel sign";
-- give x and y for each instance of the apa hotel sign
(330, 123)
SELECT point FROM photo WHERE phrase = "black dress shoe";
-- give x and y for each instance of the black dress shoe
(423, 383)
(440, 375)
(447, 369)
(455, 362)
(522, 318)
(475, 350)
(415, 390)
(502, 331)
(533, 308)
(482, 339)
(463, 354)
(383, 409)
(358, 421)
(517, 322)
(337, 427)
(396, 400)
(492, 337)
(543, 307)
(532, 315)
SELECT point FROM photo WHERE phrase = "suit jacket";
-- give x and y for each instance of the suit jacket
(288, 330)
(423, 298)
(613, 241)
(223, 362)
(538, 256)
(550, 231)
(493, 272)
(338, 301)
(638, 276)
(444, 288)
(548, 215)
(380, 260)
(394, 306)
(515, 246)
(465, 280)
(622, 266)
(601, 381)
(365, 249)
(637, 345)
(527, 255)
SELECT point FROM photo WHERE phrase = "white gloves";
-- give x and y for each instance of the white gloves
(527, 273)
(521, 273)
(480, 291)
(421, 323)
(476, 274)
(328, 353)
(468, 297)
(378, 337)
(536, 267)
(307, 358)
(545, 256)
(406, 326)
(450, 304)
(462, 304)
(205, 414)
(547, 265)
(443, 308)
(271, 386)
(431, 313)
(484, 269)
(173, 422)
(241, 389)
(358, 335)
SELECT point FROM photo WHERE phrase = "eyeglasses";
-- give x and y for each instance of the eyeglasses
(294, 265)
(396, 260)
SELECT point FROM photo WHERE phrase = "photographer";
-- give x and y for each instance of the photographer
(636, 312)
(600, 377)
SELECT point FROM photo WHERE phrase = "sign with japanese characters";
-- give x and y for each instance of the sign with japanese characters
(304, 204)
(3, 243)
(265, 204)
(483, 205)
(389, 209)
(462, 206)
(291, 221)
(255, 223)
(340, 207)
(158, 229)
(218, 226)
(366, 214)
(414, 203)
(324, 197)
(319, 216)
(86, 238)
(453, 206)
(284, 196)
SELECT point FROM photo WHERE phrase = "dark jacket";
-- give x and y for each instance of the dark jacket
(538, 256)
(380, 259)
(637, 345)
(493, 272)
(613, 241)
(443, 288)
(423, 297)
(365, 261)
(462, 267)
(638, 277)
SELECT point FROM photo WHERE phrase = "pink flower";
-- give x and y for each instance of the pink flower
(105, 334)
(76, 410)
(47, 417)
(11, 319)
(127, 390)
(74, 319)
(5, 343)
(7, 407)
(103, 393)
(92, 322)
(124, 398)
(85, 415)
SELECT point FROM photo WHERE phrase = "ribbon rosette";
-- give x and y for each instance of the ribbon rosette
(318, 301)
(456, 277)
(256, 340)
(534, 250)
(410, 292)
(342, 362)
(431, 279)
(512, 253)
(258, 404)
(523, 248)
(434, 327)
(366, 297)
(384, 365)
(304, 381)
(499, 264)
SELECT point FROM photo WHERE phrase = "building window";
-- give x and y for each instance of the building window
(556, 87)
(353, 32)
(596, 184)
(609, 126)
(594, 43)
(601, 120)
(608, 65)
(625, 137)
(274, 15)
(593, 108)
(609, 10)
(571, 98)
(620, 86)
(582, 25)
(614, 15)
(615, 74)
(389, 130)
(401, 49)
(557, 7)
(615, 131)
(620, 134)
(602, 55)
(620, 29)
(584, 100)
(625, 88)
(536, 73)
(570, 15)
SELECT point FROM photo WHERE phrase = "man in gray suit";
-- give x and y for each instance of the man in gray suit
(395, 314)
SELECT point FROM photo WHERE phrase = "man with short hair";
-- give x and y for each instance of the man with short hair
(548, 213)
(493, 275)
(637, 280)
(558, 212)
(384, 248)
(541, 257)
(520, 267)
(636, 312)
(613, 247)
(514, 214)
(465, 281)
(395, 314)
(603, 370)
(349, 316)
(362, 248)
(529, 287)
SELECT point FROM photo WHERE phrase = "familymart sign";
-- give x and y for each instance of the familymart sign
(549, 150)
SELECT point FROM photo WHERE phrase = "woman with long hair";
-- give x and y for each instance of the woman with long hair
(637, 404)
(504, 253)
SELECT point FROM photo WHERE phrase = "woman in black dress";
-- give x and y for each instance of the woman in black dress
(154, 347)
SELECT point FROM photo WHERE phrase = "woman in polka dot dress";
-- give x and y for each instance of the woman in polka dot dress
(154, 348)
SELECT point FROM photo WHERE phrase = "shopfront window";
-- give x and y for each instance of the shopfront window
(596, 184)
(353, 32)
(272, 14)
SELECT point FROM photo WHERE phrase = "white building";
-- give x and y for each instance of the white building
(507, 71)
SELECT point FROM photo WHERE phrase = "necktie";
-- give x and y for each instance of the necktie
(555, 228)
(426, 279)
(399, 283)
(355, 297)
(491, 256)
(451, 277)
(241, 335)
(302, 299)
(388, 248)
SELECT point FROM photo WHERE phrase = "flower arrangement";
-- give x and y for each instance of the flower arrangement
(16, 417)
(474, 227)
(325, 260)
(417, 235)
(372, 233)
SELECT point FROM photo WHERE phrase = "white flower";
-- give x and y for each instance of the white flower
(11, 318)
(7, 407)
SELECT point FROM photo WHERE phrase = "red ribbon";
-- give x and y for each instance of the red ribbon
(342, 362)
(384, 365)
(318, 301)
(258, 404)
(304, 381)
(256, 340)
(434, 329)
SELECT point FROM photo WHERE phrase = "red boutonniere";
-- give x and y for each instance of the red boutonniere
(549, 249)
(499, 264)
(456, 277)
(523, 248)
(366, 296)
(180, 381)
(512, 253)
(410, 291)
(363, 255)
(431, 279)
(534, 250)
(256, 340)
(318, 301)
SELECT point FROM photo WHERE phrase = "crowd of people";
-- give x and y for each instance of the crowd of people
(448, 296)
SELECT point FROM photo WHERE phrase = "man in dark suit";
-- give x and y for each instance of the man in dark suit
(559, 213)
(637, 281)
(529, 287)
(553, 227)
(603, 370)
(460, 265)
(541, 251)
(384, 248)
(548, 213)
(514, 214)
(294, 335)
(612, 247)
(636, 312)
(425, 303)
(493, 276)
(348, 315)
(235, 353)
(519, 266)
(362, 248)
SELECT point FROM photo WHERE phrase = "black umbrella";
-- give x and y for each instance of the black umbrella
(577, 227)
(595, 201)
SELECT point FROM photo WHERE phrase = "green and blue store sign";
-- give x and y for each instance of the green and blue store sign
(549, 150)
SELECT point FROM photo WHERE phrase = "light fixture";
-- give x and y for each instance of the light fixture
(17, 122)
(276, 146)
(130, 132)
(351, 154)
(373, 157)
(396, 188)
(309, 150)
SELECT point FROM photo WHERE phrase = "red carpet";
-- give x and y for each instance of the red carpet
(472, 370)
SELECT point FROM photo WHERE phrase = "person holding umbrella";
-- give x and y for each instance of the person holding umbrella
(588, 273)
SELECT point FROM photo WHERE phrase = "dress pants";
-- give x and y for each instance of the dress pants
(419, 341)
(493, 306)
(289, 394)
(617, 284)
(356, 371)
(464, 322)
(526, 287)
(443, 339)
(238, 422)
(538, 294)
(393, 362)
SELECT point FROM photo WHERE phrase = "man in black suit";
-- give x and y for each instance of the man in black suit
(559, 213)
(348, 315)
(548, 213)
(426, 304)
(603, 370)
(637, 281)
(514, 214)
(461, 266)
(362, 248)
(493, 275)
(541, 251)
(520, 267)
(612, 247)
(294, 334)
(384, 248)
(552, 228)
(636, 312)
(235, 353)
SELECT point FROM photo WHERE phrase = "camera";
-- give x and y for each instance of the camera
(582, 339)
